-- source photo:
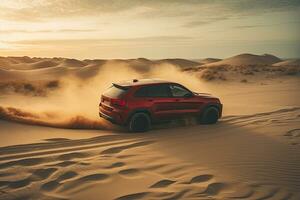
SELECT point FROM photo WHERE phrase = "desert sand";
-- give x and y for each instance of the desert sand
(54, 146)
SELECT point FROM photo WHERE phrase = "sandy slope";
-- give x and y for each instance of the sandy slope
(243, 157)
(250, 154)
(256, 96)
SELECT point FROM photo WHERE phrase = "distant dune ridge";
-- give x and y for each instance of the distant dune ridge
(27, 63)
(209, 60)
(289, 62)
(245, 67)
(18, 72)
(247, 60)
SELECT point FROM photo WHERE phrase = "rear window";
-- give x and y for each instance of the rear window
(115, 91)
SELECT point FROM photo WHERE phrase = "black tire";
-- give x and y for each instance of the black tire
(210, 116)
(139, 122)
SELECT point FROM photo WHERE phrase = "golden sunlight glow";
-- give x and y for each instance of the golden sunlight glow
(5, 46)
(127, 29)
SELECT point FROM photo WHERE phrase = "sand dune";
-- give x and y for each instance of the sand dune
(290, 62)
(209, 60)
(16, 68)
(101, 166)
(24, 59)
(88, 71)
(95, 61)
(54, 146)
(6, 75)
(33, 76)
(72, 63)
(47, 73)
(26, 63)
(44, 64)
(4, 62)
(140, 64)
(247, 68)
(182, 63)
(243, 65)
(247, 60)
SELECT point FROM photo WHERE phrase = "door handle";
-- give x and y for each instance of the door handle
(150, 100)
(176, 100)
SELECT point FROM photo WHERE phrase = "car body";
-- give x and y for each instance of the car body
(160, 100)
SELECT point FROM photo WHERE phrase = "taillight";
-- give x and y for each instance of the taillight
(118, 102)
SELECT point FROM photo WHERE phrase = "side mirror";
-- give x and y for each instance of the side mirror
(188, 95)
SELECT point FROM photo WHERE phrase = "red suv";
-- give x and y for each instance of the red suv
(139, 103)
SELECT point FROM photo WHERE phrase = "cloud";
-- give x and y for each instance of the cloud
(259, 6)
(104, 42)
(264, 25)
(44, 9)
(205, 21)
(133, 19)
(10, 31)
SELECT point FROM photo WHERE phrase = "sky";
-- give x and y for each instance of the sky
(149, 28)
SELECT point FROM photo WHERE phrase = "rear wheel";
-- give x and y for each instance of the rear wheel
(139, 122)
(209, 116)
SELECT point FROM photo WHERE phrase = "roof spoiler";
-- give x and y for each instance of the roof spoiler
(120, 86)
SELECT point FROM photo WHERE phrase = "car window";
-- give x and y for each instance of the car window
(159, 91)
(178, 91)
(153, 91)
(142, 92)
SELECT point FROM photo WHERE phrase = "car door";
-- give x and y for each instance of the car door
(184, 101)
(160, 97)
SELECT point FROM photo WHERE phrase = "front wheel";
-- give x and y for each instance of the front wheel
(209, 116)
(139, 122)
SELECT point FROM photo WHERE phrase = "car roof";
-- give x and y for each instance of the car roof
(138, 82)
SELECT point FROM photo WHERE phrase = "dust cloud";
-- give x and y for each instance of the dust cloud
(74, 104)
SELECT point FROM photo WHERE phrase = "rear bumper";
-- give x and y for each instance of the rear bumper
(114, 115)
(108, 118)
